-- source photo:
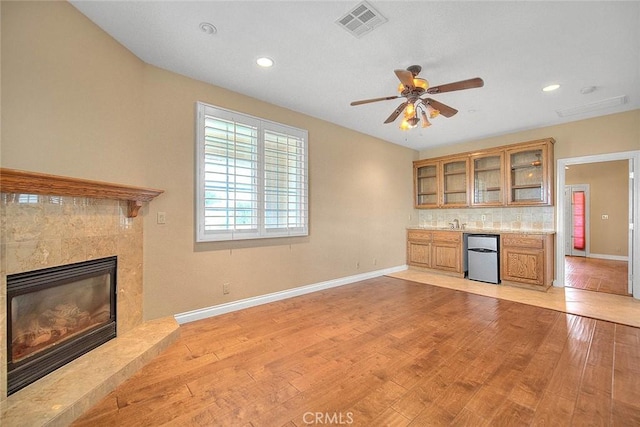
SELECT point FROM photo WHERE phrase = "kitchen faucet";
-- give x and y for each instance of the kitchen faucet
(455, 224)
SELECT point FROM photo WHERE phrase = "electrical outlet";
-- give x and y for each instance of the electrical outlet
(226, 288)
(605, 216)
(161, 218)
(518, 217)
(357, 264)
(483, 217)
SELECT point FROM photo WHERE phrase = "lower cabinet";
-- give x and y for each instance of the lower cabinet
(527, 259)
(419, 254)
(419, 248)
(446, 251)
(438, 250)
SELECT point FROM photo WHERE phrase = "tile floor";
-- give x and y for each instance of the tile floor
(597, 305)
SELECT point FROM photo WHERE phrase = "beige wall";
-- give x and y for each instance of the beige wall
(77, 103)
(609, 194)
(71, 96)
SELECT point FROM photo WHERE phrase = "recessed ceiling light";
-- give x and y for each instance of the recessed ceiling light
(264, 62)
(550, 88)
(587, 89)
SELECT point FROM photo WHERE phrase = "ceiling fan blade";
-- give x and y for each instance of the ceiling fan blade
(366, 101)
(444, 109)
(405, 77)
(463, 84)
(396, 112)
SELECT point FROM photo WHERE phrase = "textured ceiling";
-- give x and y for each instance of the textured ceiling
(516, 47)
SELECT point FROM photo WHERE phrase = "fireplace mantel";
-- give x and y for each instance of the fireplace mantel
(17, 181)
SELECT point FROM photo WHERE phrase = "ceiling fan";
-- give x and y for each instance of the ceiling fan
(412, 88)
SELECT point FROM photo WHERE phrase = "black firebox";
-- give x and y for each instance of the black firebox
(56, 315)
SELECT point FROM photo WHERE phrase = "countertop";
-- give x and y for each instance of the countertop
(483, 230)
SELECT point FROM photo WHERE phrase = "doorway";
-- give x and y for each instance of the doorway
(626, 219)
(607, 270)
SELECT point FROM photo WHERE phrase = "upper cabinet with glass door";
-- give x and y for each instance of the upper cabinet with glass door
(425, 181)
(454, 182)
(529, 172)
(513, 175)
(487, 178)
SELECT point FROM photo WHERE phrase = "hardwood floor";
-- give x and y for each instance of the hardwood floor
(600, 275)
(387, 351)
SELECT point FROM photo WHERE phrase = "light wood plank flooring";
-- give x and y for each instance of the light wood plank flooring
(593, 274)
(387, 351)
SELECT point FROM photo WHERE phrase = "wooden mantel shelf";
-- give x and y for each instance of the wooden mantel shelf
(16, 181)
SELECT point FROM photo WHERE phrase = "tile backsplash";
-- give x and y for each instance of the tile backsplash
(521, 218)
(45, 231)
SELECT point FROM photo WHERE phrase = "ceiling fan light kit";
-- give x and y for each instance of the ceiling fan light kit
(416, 108)
(425, 121)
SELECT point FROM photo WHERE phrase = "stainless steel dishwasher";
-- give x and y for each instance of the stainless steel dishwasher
(483, 253)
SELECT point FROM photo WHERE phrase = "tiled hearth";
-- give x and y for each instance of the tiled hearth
(65, 394)
(39, 231)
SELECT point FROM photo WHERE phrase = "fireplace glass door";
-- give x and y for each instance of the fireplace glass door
(56, 315)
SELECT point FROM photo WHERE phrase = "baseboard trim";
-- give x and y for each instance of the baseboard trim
(216, 310)
(611, 257)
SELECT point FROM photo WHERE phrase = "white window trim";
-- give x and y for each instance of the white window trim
(261, 232)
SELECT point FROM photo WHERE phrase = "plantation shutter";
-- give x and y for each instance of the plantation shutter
(285, 181)
(252, 177)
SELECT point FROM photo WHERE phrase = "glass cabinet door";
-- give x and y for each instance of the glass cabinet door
(528, 182)
(426, 182)
(488, 180)
(454, 182)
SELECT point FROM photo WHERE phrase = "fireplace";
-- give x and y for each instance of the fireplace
(57, 314)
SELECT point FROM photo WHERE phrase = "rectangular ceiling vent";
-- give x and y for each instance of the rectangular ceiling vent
(361, 20)
(587, 108)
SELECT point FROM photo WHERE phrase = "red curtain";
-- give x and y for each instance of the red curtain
(578, 220)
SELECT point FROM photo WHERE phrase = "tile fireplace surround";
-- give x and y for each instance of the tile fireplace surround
(74, 223)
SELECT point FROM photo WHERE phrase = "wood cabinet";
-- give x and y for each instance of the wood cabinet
(446, 251)
(426, 184)
(487, 179)
(439, 250)
(529, 177)
(454, 179)
(419, 248)
(513, 175)
(527, 259)
(441, 183)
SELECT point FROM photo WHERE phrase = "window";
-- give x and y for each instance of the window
(251, 177)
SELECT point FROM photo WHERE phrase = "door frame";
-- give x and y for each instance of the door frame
(634, 213)
(568, 226)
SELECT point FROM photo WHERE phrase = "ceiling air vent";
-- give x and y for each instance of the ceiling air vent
(361, 20)
(587, 108)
